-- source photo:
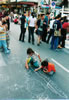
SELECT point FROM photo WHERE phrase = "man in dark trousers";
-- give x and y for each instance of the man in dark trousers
(23, 28)
(45, 26)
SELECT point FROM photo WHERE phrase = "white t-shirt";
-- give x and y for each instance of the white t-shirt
(51, 23)
(32, 21)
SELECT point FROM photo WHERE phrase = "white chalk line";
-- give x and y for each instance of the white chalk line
(66, 51)
(50, 86)
(61, 66)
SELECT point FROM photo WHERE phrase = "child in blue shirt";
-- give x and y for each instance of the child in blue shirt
(31, 60)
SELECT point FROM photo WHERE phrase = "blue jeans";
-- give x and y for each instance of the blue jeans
(51, 73)
(4, 45)
(54, 42)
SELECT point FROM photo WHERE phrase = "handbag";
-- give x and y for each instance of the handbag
(57, 33)
(36, 31)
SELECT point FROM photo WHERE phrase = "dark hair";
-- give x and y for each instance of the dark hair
(61, 19)
(23, 13)
(44, 63)
(29, 51)
(65, 19)
(42, 15)
(47, 13)
(58, 16)
(32, 14)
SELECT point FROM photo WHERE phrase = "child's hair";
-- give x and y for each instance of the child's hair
(29, 51)
(44, 63)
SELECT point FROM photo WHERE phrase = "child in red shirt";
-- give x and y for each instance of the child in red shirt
(47, 67)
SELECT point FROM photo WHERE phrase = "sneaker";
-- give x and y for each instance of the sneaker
(38, 44)
(7, 52)
(33, 43)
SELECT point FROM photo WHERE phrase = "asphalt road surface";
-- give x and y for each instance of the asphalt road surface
(16, 82)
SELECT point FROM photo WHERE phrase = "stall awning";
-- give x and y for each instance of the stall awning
(27, 3)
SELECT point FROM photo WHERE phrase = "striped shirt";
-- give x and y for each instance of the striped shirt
(2, 34)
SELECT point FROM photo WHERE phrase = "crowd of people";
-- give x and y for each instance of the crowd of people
(46, 28)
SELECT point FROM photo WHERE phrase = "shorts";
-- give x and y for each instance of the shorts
(40, 33)
(32, 63)
(51, 73)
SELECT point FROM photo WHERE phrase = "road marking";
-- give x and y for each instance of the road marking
(65, 69)
(2, 62)
(65, 50)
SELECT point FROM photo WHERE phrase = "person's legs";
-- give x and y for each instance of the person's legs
(63, 38)
(63, 41)
(56, 42)
(50, 34)
(39, 37)
(36, 64)
(0, 44)
(29, 36)
(8, 26)
(5, 47)
(20, 38)
(51, 73)
(52, 42)
(24, 30)
(44, 35)
(32, 33)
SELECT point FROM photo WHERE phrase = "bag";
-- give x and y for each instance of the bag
(36, 31)
(57, 33)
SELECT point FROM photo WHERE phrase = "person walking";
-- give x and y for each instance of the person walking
(51, 29)
(32, 22)
(23, 28)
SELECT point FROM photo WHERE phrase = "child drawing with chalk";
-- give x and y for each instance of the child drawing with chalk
(32, 59)
(47, 67)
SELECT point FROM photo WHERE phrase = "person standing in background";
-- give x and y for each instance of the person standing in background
(39, 27)
(12, 15)
(23, 28)
(57, 33)
(32, 22)
(51, 29)
(8, 22)
(45, 27)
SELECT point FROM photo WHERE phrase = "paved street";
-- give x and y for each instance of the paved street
(16, 82)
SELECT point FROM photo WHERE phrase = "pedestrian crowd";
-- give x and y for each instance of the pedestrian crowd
(48, 30)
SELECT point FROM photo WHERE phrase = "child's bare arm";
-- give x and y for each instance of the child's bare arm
(38, 69)
(45, 71)
(39, 58)
(26, 65)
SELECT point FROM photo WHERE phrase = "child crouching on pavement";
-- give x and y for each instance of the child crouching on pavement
(31, 60)
(47, 67)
